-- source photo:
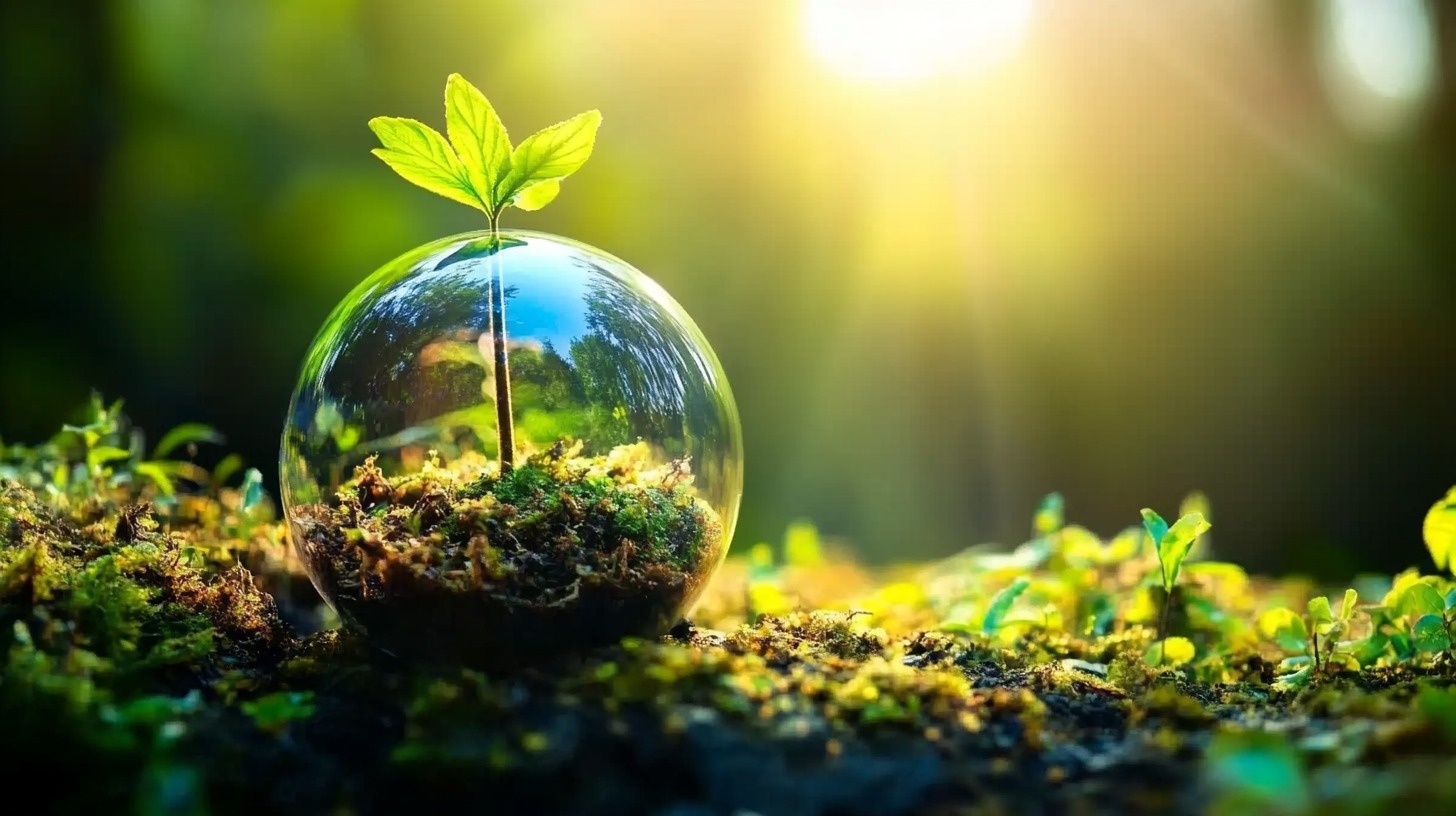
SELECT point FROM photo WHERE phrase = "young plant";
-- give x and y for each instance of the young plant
(1172, 545)
(1439, 530)
(476, 166)
(1324, 623)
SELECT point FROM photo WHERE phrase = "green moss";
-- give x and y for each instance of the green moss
(141, 657)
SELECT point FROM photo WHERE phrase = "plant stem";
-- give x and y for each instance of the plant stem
(504, 423)
(1163, 625)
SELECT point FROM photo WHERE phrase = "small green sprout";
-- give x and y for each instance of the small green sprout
(1172, 545)
(1001, 604)
(477, 167)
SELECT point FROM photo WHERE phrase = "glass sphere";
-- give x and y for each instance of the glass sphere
(616, 498)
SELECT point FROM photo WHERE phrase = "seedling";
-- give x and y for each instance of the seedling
(478, 167)
(1172, 545)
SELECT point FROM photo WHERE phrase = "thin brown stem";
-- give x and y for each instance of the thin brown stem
(505, 424)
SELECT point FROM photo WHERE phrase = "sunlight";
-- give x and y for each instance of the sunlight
(904, 40)
(1380, 60)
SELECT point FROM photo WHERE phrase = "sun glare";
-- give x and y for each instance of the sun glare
(906, 40)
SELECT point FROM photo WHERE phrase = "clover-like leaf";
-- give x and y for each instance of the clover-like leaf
(1429, 634)
(551, 153)
(421, 156)
(479, 139)
(1439, 531)
(1421, 599)
(1286, 628)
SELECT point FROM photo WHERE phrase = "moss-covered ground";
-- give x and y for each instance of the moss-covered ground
(462, 564)
(146, 669)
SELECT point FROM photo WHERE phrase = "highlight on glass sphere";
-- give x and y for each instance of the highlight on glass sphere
(507, 445)
(510, 445)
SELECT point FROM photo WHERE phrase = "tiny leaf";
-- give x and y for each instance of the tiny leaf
(537, 195)
(421, 156)
(1175, 546)
(1319, 610)
(1429, 634)
(1347, 608)
(1440, 531)
(552, 153)
(1285, 628)
(1154, 524)
(189, 433)
(479, 138)
(1174, 651)
(1049, 516)
(1421, 599)
(1001, 604)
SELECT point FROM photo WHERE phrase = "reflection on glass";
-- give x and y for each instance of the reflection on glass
(401, 380)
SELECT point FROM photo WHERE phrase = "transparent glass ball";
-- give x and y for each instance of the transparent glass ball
(619, 496)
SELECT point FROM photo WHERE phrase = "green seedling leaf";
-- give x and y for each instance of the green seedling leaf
(191, 433)
(1050, 515)
(1154, 524)
(1176, 543)
(1429, 634)
(421, 156)
(158, 476)
(1439, 530)
(1174, 651)
(1421, 599)
(1285, 628)
(1451, 599)
(1295, 680)
(537, 195)
(552, 153)
(476, 165)
(1001, 604)
(1347, 607)
(1319, 610)
(231, 464)
(1369, 649)
(102, 454)
(479, 139)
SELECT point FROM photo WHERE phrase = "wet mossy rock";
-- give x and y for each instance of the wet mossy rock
(145, 671)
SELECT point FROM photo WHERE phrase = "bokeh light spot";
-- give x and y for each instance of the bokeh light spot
(1380, 61)
(904, 40)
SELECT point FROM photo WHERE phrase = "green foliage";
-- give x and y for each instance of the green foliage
(1173, 651)
(477, 166)
(275, 712)
(1001, 604)
(1173, 543)
(1439, 531)
(103, 453)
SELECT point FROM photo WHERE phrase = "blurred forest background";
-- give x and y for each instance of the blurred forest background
(953, 255)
